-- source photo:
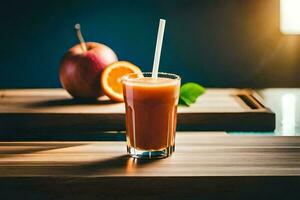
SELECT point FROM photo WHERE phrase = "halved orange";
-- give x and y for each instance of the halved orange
(111, 78)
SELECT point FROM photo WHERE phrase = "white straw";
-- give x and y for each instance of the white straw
(159, 40)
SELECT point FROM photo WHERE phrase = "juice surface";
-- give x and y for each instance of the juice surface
(151, 111)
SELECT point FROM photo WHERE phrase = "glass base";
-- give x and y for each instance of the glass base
(136, 153)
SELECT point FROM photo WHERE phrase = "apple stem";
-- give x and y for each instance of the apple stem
(80, 38)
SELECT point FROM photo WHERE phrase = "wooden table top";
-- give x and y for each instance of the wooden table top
(205, 165)
(197, 154)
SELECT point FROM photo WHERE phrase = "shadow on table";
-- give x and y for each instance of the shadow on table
(68, 102)
(120, 164)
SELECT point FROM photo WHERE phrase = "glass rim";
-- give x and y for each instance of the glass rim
(126, 77)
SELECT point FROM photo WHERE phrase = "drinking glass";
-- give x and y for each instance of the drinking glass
(151, 113)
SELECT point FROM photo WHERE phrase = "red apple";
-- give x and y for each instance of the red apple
(80, 69)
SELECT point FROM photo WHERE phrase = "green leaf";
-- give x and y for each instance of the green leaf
(189, 92)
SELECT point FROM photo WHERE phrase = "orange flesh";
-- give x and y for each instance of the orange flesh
(114, 78)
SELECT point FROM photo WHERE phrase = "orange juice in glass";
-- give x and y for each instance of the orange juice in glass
(151, 113)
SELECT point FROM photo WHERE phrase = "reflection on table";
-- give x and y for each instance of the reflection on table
(286, 104)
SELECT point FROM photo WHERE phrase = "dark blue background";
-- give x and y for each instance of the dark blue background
(219, 43)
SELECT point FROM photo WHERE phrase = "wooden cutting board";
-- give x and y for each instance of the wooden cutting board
(53, 110)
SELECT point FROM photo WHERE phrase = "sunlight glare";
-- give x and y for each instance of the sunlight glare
(290, 16)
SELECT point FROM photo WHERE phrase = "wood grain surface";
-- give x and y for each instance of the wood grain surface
(53, 110)
(205, 165)
(197, 154)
